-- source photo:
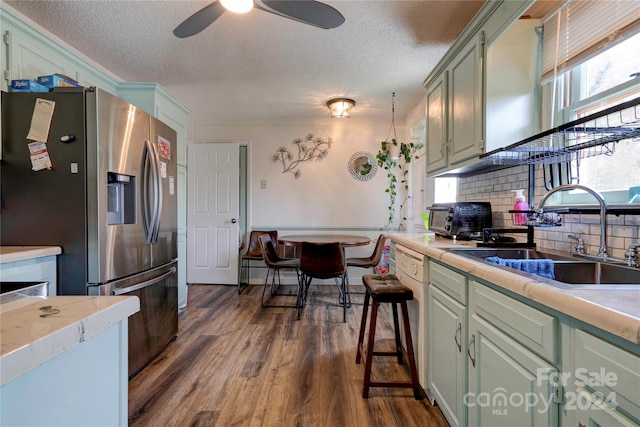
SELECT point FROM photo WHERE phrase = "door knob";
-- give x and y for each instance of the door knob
(233, 220)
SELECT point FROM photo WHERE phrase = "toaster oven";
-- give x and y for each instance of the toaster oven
(460, 220)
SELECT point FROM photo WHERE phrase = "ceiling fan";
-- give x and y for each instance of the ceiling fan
(306, 11)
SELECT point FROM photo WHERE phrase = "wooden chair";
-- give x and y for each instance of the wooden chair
(371, 261)
(253, 253)
(386, 288)
(322, 261)
(274, 264)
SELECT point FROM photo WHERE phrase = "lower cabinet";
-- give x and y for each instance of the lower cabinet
(508, 384)
(42, 269)
(447, 355)
(490, 356)
(86, 385)
(602, 382)
(496, 360)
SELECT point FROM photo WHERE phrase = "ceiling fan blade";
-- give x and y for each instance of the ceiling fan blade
(199, 20)
(307, 11)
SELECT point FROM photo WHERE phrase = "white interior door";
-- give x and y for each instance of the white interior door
(212, 213)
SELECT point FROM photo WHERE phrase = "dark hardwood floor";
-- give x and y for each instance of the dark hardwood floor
(237, 364)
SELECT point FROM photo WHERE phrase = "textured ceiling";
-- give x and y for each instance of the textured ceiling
(261, 67)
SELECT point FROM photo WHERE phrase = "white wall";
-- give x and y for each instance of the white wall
(325, 195)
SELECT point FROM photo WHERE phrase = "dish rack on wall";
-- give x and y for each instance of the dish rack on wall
(592, 135)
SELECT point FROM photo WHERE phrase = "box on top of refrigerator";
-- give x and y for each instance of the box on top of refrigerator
(57, 80)
(26, 85)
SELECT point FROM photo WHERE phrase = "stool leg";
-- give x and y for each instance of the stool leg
(363, 324)
(370, 344)
(396, 327)
(417, 393)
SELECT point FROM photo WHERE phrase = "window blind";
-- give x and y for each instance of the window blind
(580, 29)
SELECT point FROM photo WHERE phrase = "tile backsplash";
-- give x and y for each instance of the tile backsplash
(496, 187)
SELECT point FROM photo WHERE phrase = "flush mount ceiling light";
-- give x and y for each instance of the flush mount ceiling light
(341, 107)
(238, 6)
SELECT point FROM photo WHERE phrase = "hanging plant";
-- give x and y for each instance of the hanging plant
(395, 158)
(392, 165)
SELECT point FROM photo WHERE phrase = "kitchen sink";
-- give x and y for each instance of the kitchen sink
(593, 272)
(569, 271)
(513, 253)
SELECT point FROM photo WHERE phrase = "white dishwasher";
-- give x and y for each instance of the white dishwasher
(413, 272)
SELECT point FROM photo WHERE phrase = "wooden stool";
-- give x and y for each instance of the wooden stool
(386, 288)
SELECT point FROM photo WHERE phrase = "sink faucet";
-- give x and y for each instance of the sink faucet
(602, 251)
(632, 256)
(579, 243)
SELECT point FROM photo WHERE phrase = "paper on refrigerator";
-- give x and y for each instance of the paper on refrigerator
(39, 156)
(41, 119)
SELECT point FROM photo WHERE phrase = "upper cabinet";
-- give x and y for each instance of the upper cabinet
(464, 102)
(436, 123)
(483, 94)
(512, 106)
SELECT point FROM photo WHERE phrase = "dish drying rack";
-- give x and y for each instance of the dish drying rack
(592, 135)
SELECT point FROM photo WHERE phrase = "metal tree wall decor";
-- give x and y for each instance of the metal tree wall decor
(309, 148)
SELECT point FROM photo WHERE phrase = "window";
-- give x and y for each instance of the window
(603, 81)
(611, 68)
(446, 190)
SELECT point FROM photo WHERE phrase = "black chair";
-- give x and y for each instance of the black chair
(322, 261)
(367, 262)
(274, 264)
(253, 253)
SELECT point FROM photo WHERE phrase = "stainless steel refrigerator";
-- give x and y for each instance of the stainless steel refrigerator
(103, 187)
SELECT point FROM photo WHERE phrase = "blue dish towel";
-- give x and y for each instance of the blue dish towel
(541, 267)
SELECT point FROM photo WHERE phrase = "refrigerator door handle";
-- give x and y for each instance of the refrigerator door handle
(144, 192)
(157, 194)
(151, 194)
(145, 283)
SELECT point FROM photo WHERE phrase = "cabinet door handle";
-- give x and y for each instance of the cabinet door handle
(473, 341)
(449, 146)
(455, 337)
(581, 424)
(442, 144)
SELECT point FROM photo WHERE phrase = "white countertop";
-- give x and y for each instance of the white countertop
(21, 253)
(36, 329)
(615, 311)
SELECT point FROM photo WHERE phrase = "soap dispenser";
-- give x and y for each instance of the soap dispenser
(520, 218)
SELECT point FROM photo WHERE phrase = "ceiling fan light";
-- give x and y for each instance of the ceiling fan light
(238, 6)
(341, 107)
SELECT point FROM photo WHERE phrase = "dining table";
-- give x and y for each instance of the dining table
(291, 244)
(347, 240)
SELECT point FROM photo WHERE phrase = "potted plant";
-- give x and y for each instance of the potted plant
(393, 163)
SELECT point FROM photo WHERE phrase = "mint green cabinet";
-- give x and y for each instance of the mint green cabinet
(487, 76)
(454, 109)
(602, 381)
(508, 384)
(500, 360)
(436, 124)
(447, 355)
(593, 412)
(492, 358)
(29, 52)
(41, 269)
(465, 110)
